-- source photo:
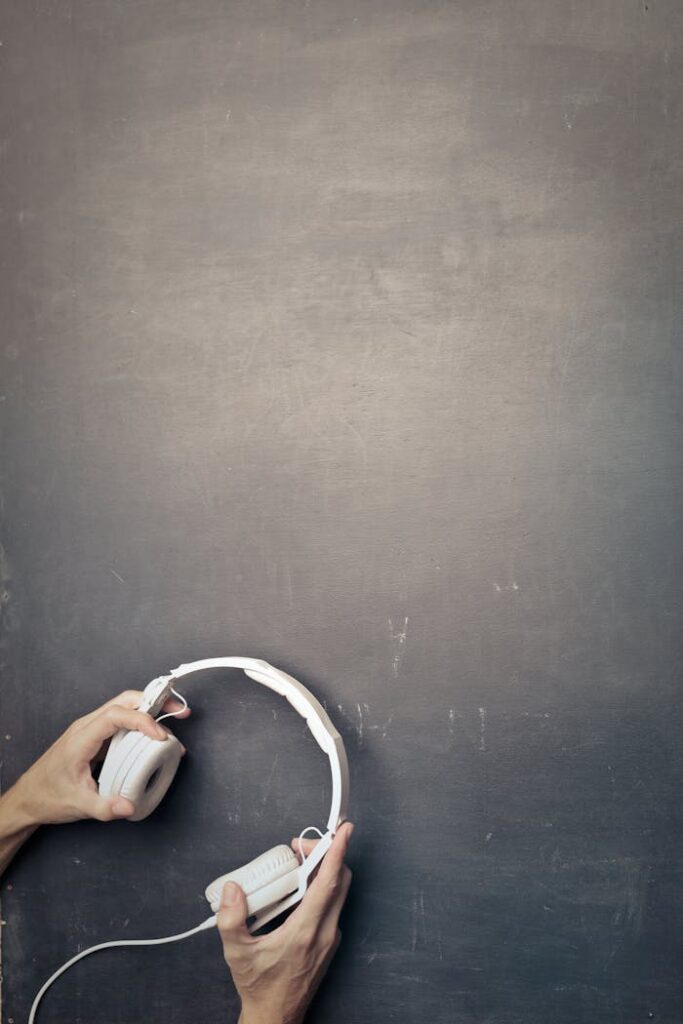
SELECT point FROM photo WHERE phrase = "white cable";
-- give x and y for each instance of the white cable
(209, 923)
(174, 714)
(309, 828)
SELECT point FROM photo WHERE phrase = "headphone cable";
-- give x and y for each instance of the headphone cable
(204, 926)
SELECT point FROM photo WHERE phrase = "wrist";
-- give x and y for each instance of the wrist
(19, 815)
(266, 1015)
(257, 1017)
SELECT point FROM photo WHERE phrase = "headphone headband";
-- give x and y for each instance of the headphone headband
(301, 699)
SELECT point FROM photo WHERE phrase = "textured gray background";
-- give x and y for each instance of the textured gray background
(344, 334)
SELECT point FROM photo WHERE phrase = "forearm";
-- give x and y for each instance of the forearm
(16, 824)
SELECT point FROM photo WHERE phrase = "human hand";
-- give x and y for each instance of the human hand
(60, 786)
(276, 975)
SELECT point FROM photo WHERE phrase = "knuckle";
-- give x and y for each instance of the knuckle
(127, 697)
(224, 924)
(304, 938)
(333, 885)
(227, 928)
(230, 956)
(235, 955)
(329, 936)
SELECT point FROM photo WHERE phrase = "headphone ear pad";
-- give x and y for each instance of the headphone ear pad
(264, 881)
(140, 769)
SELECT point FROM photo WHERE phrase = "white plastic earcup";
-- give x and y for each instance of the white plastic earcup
(140, 769)
(265, 880)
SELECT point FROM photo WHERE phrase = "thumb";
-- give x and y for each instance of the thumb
(231, 918)
(107, 808)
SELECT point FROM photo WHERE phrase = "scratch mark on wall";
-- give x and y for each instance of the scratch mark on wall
(269, 781)
(398, 638)
(612, 778)
(380, 727)
(363, 726)
(482, 729)
(472, 737)
(119, 578)
(419, 929)
(360, 708)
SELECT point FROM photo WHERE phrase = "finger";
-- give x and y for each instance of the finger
(322, 918)
(105, 808)
(127, 699)
(333, 862)
(108, 722)
(176, 708)
(329, 919)
(133, 699)
(304, 846)
(338, 901)
(231, 920)
(325, 887)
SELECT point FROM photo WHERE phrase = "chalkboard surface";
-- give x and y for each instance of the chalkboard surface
(346, 335)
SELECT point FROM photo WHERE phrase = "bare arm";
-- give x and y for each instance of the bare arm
(15, 826)
(60, 786)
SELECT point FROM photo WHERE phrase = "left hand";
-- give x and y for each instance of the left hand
(60, 786)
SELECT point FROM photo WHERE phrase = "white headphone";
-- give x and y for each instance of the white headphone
(141, 769)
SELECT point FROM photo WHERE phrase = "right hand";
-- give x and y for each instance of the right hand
(276, 975)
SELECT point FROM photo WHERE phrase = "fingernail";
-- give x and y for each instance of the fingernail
(229, 894)
(161, 733)
(121, 807)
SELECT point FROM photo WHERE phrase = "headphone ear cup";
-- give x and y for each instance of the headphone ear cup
(265, 880)
(140, 769)
(151, 773)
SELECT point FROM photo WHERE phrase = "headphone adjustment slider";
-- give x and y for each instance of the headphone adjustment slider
(156, 694)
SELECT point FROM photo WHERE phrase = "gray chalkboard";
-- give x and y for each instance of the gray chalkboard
(346, 334)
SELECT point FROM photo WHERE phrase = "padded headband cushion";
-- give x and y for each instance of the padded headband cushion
(147, 773)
